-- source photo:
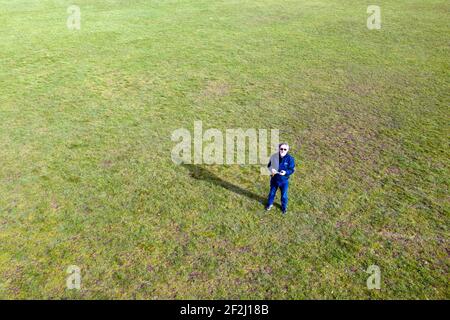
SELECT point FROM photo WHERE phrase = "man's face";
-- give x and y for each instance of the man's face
(284, 150)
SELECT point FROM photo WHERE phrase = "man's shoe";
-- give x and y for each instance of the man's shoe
(269, 207)
(283, 211)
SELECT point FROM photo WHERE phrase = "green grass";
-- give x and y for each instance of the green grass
(86, 176)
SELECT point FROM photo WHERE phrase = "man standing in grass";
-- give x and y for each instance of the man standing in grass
(281, 166)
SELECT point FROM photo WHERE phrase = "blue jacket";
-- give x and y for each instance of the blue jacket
(287, 164)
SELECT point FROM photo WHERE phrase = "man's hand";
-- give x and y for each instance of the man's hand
(282, 173)
(274, 172)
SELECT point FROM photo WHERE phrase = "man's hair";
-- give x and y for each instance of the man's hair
(283, 144)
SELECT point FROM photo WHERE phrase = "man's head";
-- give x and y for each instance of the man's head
(283, 148)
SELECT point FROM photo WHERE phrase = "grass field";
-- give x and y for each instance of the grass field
(86, 176)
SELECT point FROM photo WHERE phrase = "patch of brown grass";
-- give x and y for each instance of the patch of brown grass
(215, 89)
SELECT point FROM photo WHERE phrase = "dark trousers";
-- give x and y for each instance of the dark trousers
(284, 193)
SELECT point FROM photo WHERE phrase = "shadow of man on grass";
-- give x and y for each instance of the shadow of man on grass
(200, 173)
